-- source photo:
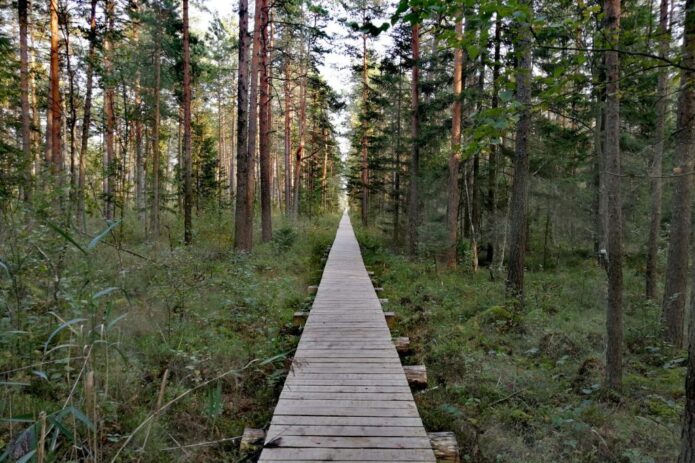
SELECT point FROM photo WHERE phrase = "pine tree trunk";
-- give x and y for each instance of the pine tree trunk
(139, 157)
(413, 200)
(187, 154)
(611, 153)
(299, 155)
(364, 167)
(494, 162)
(156, 163)
(681, 210)
(455, 156)
(110, 121)
(685, 134)
(655, 183)
(264, 126)
(288, 138)
(86, 113)
(519, 193)
(241, 240)
(23, 13)
(56, 113)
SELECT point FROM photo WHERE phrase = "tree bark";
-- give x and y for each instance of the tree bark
(56, 113)
(86, 113)
(23, 14)
(156, 167)
(299, 155)
(187, 154)
(655, 183)
(140, 205)
(413, 200)
(685, 124)
(518, 205)
(611, 152)
(364, 166)
(288, 138)
(110, 121)
(264, 125)
(673, 313)
(241, 236)
(455, 156)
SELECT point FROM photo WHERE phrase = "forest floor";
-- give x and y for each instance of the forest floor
(515, 386)
(524, 386)
(128, 311)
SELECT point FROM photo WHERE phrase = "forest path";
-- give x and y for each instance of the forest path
(346, 397)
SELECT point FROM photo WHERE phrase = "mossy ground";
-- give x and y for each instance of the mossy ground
(525, 386)
(130, 309)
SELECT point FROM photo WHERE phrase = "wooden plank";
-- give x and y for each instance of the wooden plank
(374, 431)
(314, 454)
(347, 442)
(304, 395)
(372, 404)
(331, 410)
(316, 420)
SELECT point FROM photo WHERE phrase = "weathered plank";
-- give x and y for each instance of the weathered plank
(346, 397)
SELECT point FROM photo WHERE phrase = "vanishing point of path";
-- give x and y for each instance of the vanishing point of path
(346, 397)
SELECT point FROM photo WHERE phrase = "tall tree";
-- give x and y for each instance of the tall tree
(611, 153)
(655, 184)
(519, 198)
(55, 105)
(187, 154)
(156, 110)
(264, 125)
(453, 193)
(686, 108)
(673, 308)
(413, 200)
(87, 112)
(23, 15)
(287, 136)
(364, 166)
(109, 116)
(241, 235)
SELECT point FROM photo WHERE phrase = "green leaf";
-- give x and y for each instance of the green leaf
(92, 244)
(104, 292)
(65, 235)
(27, 457)
(62, 326)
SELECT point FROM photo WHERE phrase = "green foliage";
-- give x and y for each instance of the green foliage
(110, 305)
(526, 386)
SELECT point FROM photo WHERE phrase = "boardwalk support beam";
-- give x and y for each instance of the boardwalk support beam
(445, 446)
(416, 375)
(402, 345)
(299, 319)
(312, 289)
(252, 440)
(390, 319)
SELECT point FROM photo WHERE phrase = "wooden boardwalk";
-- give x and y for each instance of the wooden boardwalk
(346, 397)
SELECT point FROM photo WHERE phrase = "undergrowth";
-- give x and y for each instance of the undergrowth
(120, 348)
(525, 386)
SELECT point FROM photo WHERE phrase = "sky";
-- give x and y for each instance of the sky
(335, 68)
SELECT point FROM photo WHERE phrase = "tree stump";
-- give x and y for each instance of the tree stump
(402, 345)
(252, 440)
(445, 446)
(416, 375)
